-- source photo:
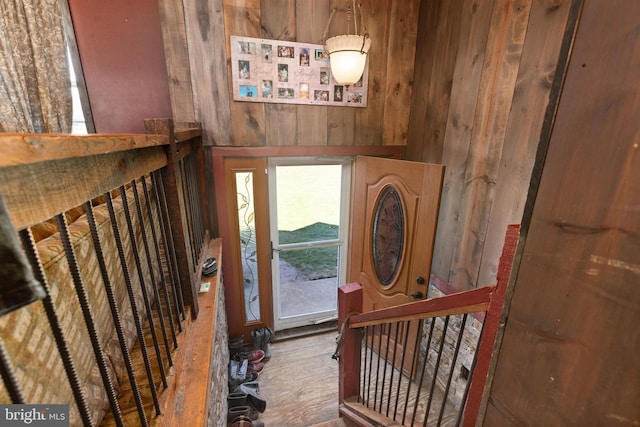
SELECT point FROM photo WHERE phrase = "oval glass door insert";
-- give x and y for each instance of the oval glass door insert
(388, 235)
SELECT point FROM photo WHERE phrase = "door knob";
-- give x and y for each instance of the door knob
(417, 295)
(420, 280)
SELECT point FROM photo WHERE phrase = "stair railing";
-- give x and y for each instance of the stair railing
(403, 365)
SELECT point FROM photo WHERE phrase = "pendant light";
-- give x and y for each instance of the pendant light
(347, 52)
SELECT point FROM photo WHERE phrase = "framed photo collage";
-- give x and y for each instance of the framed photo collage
(285, 72)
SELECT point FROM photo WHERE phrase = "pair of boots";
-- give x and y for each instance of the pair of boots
(242, 412)
(260, 338)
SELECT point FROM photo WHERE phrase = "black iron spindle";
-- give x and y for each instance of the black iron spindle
(437, 364)
(466, 388)
(453, 365)
(424, 366)
(156, 246)
(9, 376)
(373, 333)
(404, 352)
(143, 287)
(169, 253)
(375, 394)
(159, 186)
(154, 284)
(115, 312)
(363, 373)
(132, 301)
(416, 348)
(83, 298)
(386, 363)
(56, 328)
(393, 366)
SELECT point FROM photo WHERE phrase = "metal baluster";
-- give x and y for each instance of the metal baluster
(9, 376)
(156, 246)
(177, 289)
(132, 301)
(413, 365)
(393, 366)
(466, 388)
(54, 321)
(453, 364)
(424, 365)
(115, 312)
(168, 249)
(83, 298)
(154, 284)
(404, 351)
(373, 333)
(363, 374)
(194, 200)
(145, 296)
(437, 364)
(375, 394)
(386, 363)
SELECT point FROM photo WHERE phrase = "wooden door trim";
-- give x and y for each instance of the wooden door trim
(231, 263)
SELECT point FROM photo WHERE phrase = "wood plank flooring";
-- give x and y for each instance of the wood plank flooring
(300, 382)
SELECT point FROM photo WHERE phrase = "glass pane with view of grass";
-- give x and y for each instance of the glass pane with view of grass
(308, 280)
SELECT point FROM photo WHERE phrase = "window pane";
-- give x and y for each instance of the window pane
(308, 203)
(308, 281)
(248, 253)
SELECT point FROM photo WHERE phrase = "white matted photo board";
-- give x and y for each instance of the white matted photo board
(286, 72)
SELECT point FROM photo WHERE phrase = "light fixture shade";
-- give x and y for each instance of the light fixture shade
(348, 57)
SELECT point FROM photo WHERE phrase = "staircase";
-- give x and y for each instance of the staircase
(338, 422)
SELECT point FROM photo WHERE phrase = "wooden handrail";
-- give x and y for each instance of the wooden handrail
(28, 148)
(460, 303)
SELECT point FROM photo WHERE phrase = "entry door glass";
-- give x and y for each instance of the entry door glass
(309, 210)
(248, 252)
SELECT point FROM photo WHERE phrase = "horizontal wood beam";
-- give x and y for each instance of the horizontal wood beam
(35, 192)
(394, 152)
(186, 134)
(463, 302)
(24, 148)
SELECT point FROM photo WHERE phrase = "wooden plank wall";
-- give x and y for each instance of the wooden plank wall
(571, 343)
(483, 78)
(392, 26)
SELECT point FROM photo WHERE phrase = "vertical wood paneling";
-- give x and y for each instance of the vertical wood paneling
(535, 77)
(385, 121)
(403, 30)
(576, 303)
(368, 120)
(242, 18)
(425, 54)
(474, 28)
(440, 79)
(341, 121)
(278, 22)
(177, 57)
(439, 33)
(204, 24)
(502, 59)
(311, 18)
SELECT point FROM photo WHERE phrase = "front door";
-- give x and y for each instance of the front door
(393, 227)
(395, 214)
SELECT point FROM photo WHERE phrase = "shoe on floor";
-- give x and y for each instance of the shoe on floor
(253, 356)
(255, 368)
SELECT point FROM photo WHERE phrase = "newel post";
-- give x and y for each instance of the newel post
(349, 301)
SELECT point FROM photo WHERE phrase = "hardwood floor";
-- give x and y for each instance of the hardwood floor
(300, 382)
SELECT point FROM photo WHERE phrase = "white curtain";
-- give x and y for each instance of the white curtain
(35, 90)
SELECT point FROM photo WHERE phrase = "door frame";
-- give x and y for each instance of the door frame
(217, 155)
(343, 238)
